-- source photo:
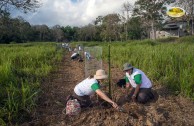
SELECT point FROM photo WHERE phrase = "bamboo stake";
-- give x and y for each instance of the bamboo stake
(109, 71)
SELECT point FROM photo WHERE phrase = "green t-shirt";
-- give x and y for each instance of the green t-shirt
(95, 86)
(137, 79)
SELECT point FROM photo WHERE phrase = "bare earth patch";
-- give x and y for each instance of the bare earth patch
(165, 110)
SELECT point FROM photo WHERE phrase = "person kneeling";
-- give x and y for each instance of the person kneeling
(89, 86)
(74, 56)
(138, 84)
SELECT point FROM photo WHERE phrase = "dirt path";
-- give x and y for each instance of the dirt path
(165, 110)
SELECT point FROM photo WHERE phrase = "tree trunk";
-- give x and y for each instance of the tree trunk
(153, 31)
(127, 26)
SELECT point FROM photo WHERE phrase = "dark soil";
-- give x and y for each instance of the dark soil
(165, 110)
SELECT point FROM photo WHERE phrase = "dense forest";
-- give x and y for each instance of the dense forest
(135, 22)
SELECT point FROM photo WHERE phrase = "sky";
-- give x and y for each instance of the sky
(71, 12)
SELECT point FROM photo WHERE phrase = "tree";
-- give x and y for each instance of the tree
(57, 33)
(5, 28)
(12, 29)
(42, 32)
(22, 30)
(98, 20)
(25, 5)
(87, 33)
(127, 7)
(135, 28)
(98, 28)
(149, 10)
(111, 29)
(69, 33)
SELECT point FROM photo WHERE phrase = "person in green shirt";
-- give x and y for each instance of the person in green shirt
(138, 84)
(89, 86)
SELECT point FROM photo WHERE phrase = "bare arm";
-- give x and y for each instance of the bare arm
(106, 98)
(128, 87)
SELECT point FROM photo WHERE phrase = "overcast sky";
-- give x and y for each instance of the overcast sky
(72, 12)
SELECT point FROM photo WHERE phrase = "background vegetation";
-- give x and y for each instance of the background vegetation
(23, 67)
(131, 23)
(166, 63)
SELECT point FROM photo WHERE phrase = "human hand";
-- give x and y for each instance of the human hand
(115, 105)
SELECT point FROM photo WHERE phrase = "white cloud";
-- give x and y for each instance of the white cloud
(70, 12)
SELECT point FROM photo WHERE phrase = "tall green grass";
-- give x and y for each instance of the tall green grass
(168, 63)
(22, 67)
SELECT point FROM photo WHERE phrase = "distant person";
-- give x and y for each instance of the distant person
(63, 45)
(137, 83)
(74, 56)
(87, 55)
(69, 49)
(75, 50)
(89, 86)
(79, 48)
(66, 45)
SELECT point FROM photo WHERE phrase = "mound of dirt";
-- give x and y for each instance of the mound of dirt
(166, 109)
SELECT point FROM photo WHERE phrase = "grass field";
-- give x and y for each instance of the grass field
(167, 62)
(22, 68)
